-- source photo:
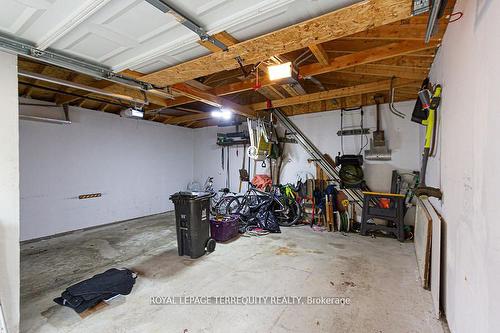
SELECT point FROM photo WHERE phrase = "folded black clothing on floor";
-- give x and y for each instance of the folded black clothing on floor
(88, 293)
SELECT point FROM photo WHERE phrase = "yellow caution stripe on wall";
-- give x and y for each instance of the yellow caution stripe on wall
(89, 196)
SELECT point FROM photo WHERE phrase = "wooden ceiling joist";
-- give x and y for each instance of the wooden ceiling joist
(356, 90)
(358, 52)
(414, 73)
(320, 54)
(366, 56)
(266, 91)
(340, 63)
(398, 31)
(334, 104)
(337, 24)
(187, 119)
(214, 100)
(229, 40)
(223, 37)
(337, 93)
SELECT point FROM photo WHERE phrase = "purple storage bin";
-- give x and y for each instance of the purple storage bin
(225, 229)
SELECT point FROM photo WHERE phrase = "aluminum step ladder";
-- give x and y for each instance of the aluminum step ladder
(354, 194)
(3, 325)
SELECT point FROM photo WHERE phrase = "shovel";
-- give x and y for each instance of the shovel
(378, 146)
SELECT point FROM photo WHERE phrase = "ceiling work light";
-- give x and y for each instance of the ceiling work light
(135, 113)
(283, 73)
(225, 114)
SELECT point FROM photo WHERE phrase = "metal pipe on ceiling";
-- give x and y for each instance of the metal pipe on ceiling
(79, 86)
(75, 64)
(72, 63)
(64, 121)
(40, 104)
(72, 94)
(45, 120)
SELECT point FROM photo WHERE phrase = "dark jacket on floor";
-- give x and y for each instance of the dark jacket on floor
(88, 293)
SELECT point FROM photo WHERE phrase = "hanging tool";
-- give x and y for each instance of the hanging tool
(378, 146)
(228, 179)
(222, 157)
(429, 105)
(244, 177)
(330, 215)
(351, 173)
(260, 140)
(327, 213)
(249, 172)
(392, 108)
(352, 131)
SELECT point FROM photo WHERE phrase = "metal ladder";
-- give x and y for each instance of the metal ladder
(3, 325)
(355, 195)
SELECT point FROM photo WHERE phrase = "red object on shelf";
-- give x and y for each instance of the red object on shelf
(384, 202)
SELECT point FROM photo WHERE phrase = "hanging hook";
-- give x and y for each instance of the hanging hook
(392, 108)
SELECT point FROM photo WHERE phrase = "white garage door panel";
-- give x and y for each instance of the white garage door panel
(185, 53)
(130, 21)
(134, 34)
(94, 46)
(171, 40)
(17, 15)
(58, 17)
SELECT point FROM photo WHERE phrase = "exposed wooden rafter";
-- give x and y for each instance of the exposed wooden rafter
(337, 24)
(214, 100)
(336, 93)
(266, 91)
(356, 90)
(366, 56)
(223, 37)
(358, 51)
(336, 64)
(320, 54)
(415, 73)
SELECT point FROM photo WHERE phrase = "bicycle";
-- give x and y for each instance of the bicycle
(286, 210)
(219, 201)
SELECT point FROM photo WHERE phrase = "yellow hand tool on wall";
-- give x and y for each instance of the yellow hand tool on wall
(430, 103)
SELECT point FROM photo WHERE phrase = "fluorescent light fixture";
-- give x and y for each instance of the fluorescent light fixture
(132, 113)
(281, 71)
(222, 114)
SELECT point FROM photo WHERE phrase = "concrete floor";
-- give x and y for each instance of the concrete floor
(379, 275)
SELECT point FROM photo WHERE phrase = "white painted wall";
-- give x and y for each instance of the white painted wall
(321, 128)
(9, 192)
(401, 134)
(467, 169)
(135, 164)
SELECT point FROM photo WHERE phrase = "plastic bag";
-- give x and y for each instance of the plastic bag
(265, 218)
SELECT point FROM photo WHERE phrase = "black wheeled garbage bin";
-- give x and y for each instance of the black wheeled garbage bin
(192, 216)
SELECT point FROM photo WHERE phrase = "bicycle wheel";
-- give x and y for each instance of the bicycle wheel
(287, 211)
(214, 200)
(228, 205)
